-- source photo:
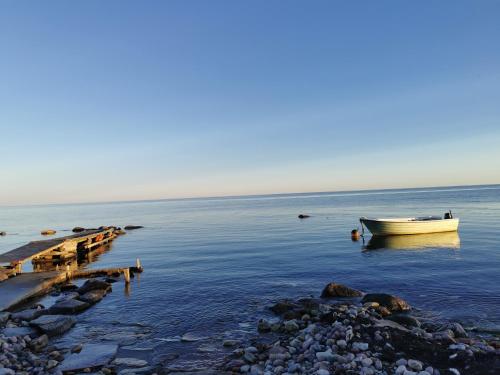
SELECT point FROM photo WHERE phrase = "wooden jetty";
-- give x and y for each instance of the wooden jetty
(55, 250)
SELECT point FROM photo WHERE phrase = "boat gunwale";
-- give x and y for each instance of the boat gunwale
(407, 220)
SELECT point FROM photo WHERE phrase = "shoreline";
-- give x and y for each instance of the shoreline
(343, 332)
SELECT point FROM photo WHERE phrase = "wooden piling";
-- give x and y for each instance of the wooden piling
(138, 263)
(126, 275)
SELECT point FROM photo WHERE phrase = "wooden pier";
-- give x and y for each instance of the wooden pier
(56, 250)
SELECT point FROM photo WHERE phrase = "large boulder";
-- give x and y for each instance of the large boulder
(94, 284)
(339, 290)
(68, 306)
(392, 303)
(54, 325)
(93, 296)
(91, 356)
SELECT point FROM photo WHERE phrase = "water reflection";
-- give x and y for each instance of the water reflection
(448, 240)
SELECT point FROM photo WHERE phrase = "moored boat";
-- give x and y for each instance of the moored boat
(410, 225)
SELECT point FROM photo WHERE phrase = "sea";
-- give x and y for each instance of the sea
(213, 266)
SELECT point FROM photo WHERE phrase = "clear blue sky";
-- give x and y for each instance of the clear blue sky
(113, 100)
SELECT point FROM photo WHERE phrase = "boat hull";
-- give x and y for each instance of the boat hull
(388, 227)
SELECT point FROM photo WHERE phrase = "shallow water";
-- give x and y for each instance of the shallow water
(213, 265)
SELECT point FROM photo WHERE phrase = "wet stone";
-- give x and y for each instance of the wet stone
(70, 306)
(54, 324)
(91, 356)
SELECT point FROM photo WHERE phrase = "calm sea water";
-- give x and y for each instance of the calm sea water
(213, 265)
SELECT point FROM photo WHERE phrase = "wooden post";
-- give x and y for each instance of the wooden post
(57, 267)
(126, 275)
(138, 264)
(68, 272)
(19, 267)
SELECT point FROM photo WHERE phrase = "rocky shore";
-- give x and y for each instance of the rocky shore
(344, 331)
(26, 337)
(349, 332)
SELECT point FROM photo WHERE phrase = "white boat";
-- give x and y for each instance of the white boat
(411, 225)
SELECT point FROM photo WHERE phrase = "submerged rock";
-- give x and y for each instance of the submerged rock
(54, 325)
(48, 232)
(391, 302)
(339, 290)
(91, 356)
(78, 229)
(130, 362)
(132, 227)
(303, 216)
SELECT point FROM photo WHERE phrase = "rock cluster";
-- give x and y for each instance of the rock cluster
(313, 336)
(25, 338)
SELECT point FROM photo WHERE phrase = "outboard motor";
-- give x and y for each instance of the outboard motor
(448, 215)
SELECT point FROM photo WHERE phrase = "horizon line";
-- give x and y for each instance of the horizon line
(212, 197)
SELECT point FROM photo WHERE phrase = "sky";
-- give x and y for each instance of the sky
(127, 100)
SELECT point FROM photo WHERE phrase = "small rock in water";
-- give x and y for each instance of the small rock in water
(191, 337)
(339, 290)
(130, 362)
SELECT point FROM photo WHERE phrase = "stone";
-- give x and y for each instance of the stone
(325, 356)
(52, 363)
(291, 325)
(78, 229)
(48, 232)
(415, 365)
(339, 290)
(392, 303)
(130, 362)
(263, 326)
(39, 343)
(4, 317)
(143, 370)
(68, 287)
(54, 325)
(132, 227)
(383, 323)
(68, 306)
(230, 343)
(282, 307)
(404, 319)
(93, 296)
(458, 330)
(191, 337)
(6, 371)
(66, 296)
(360, 346)
(91, 356)
(19, 331)
(94, 284)
(28, 314)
